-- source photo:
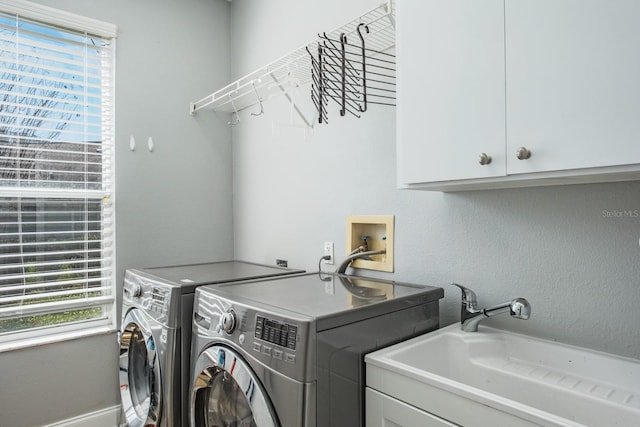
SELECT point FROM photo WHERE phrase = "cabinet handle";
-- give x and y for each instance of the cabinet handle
(484, 159)
(522, 153)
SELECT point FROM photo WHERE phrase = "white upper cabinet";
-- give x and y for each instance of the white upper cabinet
(573, 83)
(450, 89)
(571, 69)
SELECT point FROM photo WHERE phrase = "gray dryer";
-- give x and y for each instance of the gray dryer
(289, 352)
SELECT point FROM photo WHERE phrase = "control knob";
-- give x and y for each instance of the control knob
(135, 290)
(228, 321)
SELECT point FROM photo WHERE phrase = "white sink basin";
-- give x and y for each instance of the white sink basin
(538, 381)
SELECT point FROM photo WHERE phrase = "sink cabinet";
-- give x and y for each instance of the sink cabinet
(558, 78)
(385, 411)
(399, 400)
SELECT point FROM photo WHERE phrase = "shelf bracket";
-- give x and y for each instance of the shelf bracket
(290, 99)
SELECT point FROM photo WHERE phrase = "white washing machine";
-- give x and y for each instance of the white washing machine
(155, 336)
(289, 351)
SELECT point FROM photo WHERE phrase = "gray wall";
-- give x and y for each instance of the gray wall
(173, 205)
(579, 268)
(294, 188)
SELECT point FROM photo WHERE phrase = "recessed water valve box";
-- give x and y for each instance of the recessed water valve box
(373, 233)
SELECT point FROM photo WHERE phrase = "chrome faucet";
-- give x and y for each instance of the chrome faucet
(471, 315)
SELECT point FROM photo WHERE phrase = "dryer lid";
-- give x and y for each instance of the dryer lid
(319, 297)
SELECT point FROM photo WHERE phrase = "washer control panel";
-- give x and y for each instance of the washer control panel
(276, 332)
(151, 295)
(158, 303)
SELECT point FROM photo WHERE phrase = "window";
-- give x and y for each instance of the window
(56, 172)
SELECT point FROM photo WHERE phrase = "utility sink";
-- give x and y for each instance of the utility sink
(493, 377)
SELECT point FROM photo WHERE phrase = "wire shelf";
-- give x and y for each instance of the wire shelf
(295, 69)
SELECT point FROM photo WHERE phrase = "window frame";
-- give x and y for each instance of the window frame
(43, 335)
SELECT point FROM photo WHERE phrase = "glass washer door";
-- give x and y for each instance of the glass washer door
(227, 393)
(140, 381)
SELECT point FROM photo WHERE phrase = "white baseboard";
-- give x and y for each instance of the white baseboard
(108, 417)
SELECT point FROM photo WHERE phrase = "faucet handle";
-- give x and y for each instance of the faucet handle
(520, 308)
(468, 295)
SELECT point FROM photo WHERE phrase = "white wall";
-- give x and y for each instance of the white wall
(173, 205)
(579, 268)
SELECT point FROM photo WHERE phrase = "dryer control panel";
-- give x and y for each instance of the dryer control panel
(276, 332)
(282, 343)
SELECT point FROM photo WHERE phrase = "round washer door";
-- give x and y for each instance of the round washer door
(140, 381)
(226, 392)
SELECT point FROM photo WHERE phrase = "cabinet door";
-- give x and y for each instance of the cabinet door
(385, 411)
(573, 83)
(450, 89)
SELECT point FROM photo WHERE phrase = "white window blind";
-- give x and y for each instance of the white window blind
(56, 172)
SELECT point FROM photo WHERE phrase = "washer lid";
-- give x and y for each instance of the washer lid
(329, 299)
(192, 275)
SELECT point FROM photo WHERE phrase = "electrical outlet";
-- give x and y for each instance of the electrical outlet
(328, 251)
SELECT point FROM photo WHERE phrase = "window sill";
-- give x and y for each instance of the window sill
(23, 343)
